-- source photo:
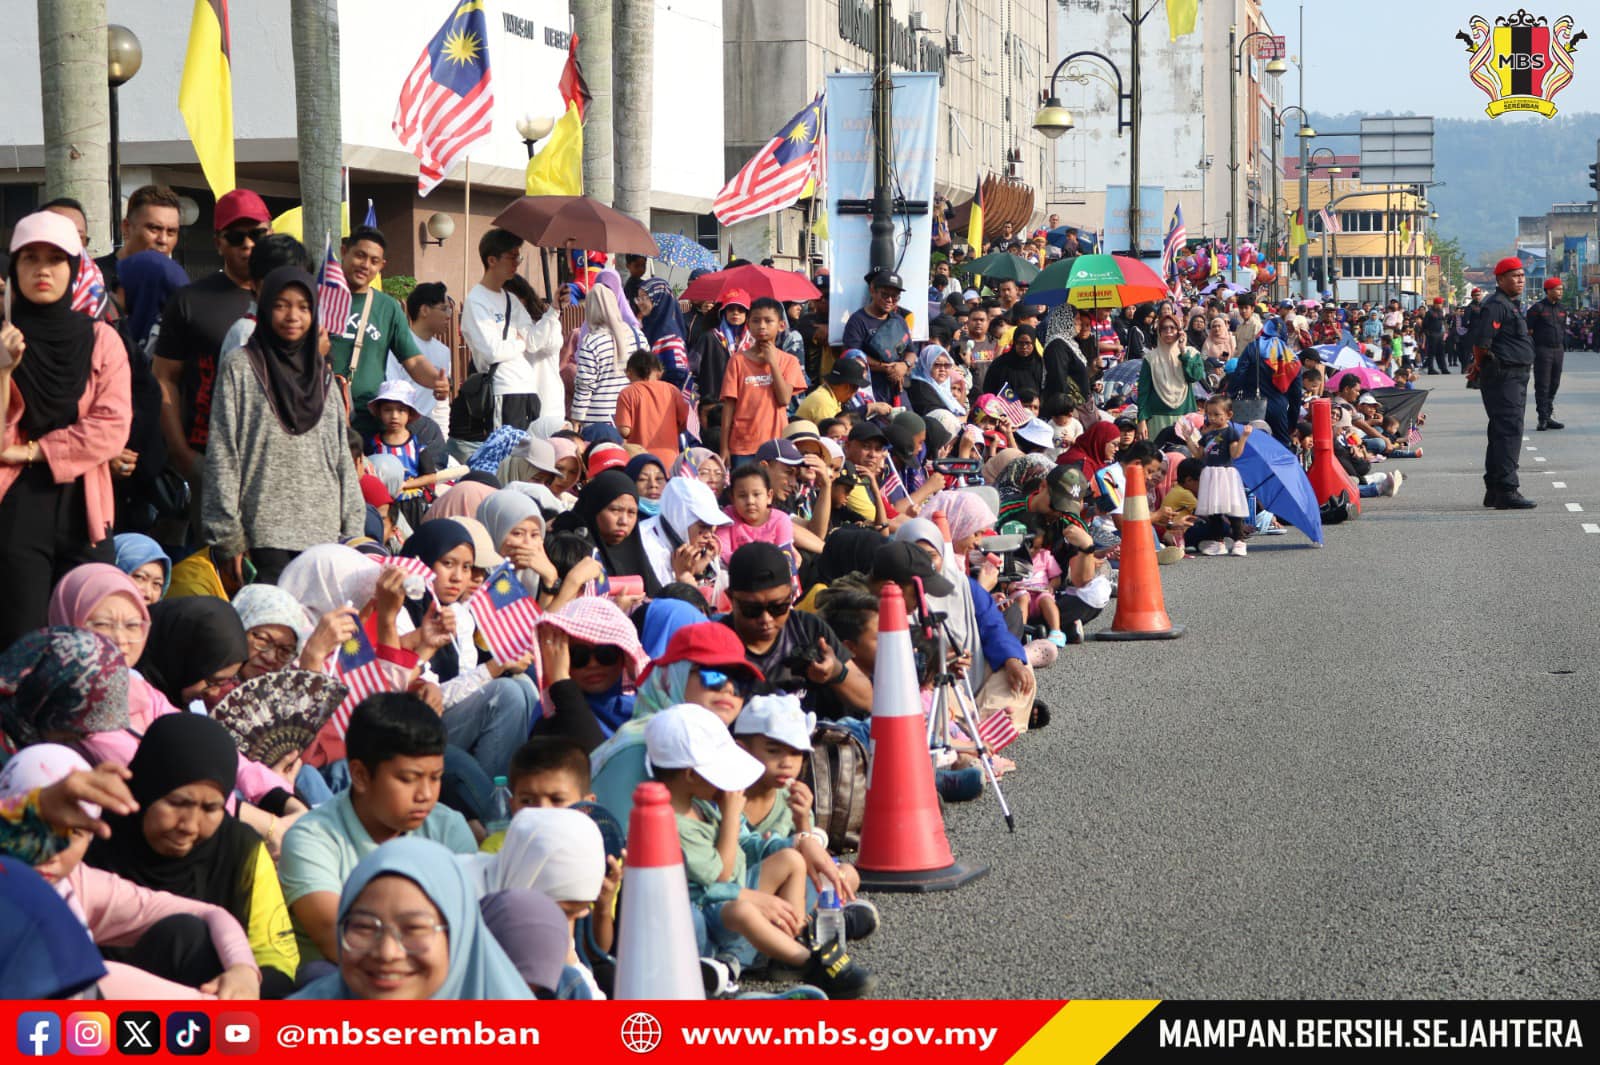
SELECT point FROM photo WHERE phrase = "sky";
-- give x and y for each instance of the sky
(1361, 57)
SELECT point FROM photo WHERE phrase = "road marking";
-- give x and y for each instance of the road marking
(1576, 508)
(1538, 458)
(1532, 448)
(1558, 484)
(1526, 439)
(1591, 528)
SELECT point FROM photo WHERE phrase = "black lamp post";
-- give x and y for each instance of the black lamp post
(124, 56)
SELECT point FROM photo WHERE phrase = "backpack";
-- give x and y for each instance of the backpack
(472, 409)
(837, 776)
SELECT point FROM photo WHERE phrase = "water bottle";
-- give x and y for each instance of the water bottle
(830, 920)
(499, 807)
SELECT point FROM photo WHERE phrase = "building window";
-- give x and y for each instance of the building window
(706, 231)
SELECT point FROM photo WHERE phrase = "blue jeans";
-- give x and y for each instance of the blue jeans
(1368, 491)
(1376, 444)
(492, 722)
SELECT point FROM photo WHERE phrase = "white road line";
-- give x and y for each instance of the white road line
(1526, 439)
(1575, 508)
(1532, 448)
(1591, 528)
(1538, 458)
(1558, 484)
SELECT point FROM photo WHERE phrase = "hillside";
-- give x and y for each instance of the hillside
(1497, 169)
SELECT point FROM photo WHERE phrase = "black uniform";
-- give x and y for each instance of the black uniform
(1433, 323)
(1463, 349)
(1547, 322)
(1503, 383)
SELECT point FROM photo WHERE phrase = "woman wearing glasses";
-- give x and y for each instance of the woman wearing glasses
(409, 928)
(703, 664)
(588, 649)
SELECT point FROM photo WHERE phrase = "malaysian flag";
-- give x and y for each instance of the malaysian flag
(505, 614)
(446, 102)
(1014, 411)
(333, 294)
(419, 575)
(997, 731)
(89, 288)
(1177, 236)
(359, 670)
(778, 173)
(894, 489)
(1330, 221)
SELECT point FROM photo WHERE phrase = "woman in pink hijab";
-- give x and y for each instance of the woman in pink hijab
(462, 501)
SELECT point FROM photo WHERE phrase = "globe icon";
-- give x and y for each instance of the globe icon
(641, 1033)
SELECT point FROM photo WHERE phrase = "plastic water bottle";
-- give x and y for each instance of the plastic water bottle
(499, 807)
(830, 920)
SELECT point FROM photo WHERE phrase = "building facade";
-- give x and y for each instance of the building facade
(1380, 250)
(991, 56)
(1184, 126)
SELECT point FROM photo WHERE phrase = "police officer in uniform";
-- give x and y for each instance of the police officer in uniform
(1502, 360)
(1466, 319)
(1547, 322)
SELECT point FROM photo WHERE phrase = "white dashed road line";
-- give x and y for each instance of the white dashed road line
(1576, 508)
(1591, 528)
(1538, 458)
(1558, 484)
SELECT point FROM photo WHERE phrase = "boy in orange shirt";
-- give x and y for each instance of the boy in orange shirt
(758, 386)
(650, 412)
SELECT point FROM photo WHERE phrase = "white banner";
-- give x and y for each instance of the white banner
(850, 177)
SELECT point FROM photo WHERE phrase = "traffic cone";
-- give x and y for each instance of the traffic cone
(903, 845)
(1141, 609)
(1328, 478)
(657, 956)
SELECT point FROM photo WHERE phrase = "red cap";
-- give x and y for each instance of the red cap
(606, 457)
(736, 298)
(708, 643)
(1438, 299)
(1551, 282)
(373, 491)
(240, 205)
(1477, 292)
(1506, 265)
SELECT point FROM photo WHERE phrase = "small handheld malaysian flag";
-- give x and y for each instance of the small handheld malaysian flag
(358, 668)
(333, 294)
(419, 575)
(505, 614)
(997, 731)
(1015, 412)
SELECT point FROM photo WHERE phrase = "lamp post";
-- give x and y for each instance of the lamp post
(1274, 68)
(124, 56)
(1327, 234)
(532, 130)
(1305, 133)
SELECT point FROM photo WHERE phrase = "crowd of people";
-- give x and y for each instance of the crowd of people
(224, 522)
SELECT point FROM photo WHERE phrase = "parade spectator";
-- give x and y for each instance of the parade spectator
(505, 339)
(600, 358)
(651, 412)
(150, 223)
(757, 387)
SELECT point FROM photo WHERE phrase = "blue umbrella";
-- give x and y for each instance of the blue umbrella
(679, 250)
(1275, 475)
(1123, 378)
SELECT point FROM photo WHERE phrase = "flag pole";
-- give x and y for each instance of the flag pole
(466, 234)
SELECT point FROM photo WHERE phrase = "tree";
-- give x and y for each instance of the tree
(314, 29)
(77, 108)
(1452, 261)
(591, 19)
(635, 38)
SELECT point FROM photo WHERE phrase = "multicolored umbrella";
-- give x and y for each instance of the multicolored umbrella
(1097, 281)
(679, 250)
(785, 286)
(1001, 266)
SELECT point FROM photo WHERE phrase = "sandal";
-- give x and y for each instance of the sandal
(1039, 716)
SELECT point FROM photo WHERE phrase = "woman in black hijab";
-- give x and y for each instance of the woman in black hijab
(278, 473)
(608, 507)
(184, 841)
(1021, 367)
(195, 648)
(63, 424)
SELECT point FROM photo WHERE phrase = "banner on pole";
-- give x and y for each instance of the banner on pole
(850, 177)
(1152, 219)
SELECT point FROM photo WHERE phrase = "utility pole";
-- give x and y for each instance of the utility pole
(77, 128)
(314, 27)
(882, 227)
(1134, 92)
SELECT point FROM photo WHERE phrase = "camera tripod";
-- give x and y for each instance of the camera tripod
(954, 694)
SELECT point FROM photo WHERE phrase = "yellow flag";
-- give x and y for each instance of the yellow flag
(1297, 229)
(1181, 16)
(205, 95)
(819, 228)
(975, 222)
(558, 168)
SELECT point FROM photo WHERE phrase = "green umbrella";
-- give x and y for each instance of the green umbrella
(1001, 266)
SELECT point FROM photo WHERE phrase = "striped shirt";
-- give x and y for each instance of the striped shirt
(599, 378)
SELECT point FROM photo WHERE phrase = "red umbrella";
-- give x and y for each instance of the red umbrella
(785, 286)
(576, 222)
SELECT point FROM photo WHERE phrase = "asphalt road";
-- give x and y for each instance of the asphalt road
(1364, 771)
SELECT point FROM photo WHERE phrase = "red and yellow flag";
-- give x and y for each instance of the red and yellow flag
(205, 95)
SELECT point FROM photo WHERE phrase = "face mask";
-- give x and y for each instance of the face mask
(649, 508)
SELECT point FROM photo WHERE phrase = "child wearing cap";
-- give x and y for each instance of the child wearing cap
(392, 407)
(749, 911)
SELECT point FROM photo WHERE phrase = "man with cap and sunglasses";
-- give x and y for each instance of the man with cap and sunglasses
(882, 331)
(1503, 356)
(797, 652)
(1547, 322)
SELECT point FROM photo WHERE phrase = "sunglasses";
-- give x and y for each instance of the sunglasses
(604, 656)
(755, 610)
(716, 680)
(237, 237)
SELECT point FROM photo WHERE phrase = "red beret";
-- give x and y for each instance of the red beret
(1506, 265)
(1438, 299)
(1551, 282)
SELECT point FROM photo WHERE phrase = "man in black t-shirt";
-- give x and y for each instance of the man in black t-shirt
(775, 635)
(888, 350)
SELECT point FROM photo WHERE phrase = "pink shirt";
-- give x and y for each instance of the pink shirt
(85, 448)
(1045, 570)
(118, 911)
(777, 529)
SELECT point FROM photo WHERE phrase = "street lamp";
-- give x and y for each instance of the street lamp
(1274, 68)
(532, 130)
(124, 56)
(440, 227)
(1305, 133)
(1053, 120)
(1330, 257)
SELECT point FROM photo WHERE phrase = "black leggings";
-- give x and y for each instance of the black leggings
(44, 531)
(176, 948)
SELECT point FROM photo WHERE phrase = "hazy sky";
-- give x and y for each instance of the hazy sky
(1402, 55)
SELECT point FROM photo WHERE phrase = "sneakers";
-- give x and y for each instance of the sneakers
(1210, 548)
(1239, 549)
(720, 975)
(860, 920)
(837, 974)
(1393, 487)
(1058, 637)
(1075, 633)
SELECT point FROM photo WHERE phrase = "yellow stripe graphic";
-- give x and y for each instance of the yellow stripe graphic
(1083, 1032)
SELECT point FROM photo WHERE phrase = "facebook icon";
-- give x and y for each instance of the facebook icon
(38, 1034)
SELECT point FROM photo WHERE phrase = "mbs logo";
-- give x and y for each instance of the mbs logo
(1521, 62)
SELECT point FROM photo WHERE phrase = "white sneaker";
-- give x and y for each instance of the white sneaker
(1393, 487)
(1211, 548)
(1239, 550)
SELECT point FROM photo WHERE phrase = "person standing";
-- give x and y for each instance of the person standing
(1433, 323)
(880, 328)
(428, 307)
(151, 224)
(1547, 323)
(1502, 353)
(1467, 318)
(504, 339)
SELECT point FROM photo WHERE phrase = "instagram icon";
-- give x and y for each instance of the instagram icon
(88, 1034)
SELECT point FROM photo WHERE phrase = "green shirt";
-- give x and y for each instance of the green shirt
(388, 333)
(698, 838)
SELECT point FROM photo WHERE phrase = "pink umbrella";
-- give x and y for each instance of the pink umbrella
(1369, 378)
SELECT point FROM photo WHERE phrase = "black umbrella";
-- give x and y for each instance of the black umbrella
(1404, 405)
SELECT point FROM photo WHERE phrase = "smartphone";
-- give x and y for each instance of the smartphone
(626, 585)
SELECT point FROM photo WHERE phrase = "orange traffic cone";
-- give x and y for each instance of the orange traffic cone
(657, 956)
(903, 845)
(1328, 478)
(1141, 609)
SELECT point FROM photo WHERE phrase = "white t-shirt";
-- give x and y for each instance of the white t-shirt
(526, 357)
